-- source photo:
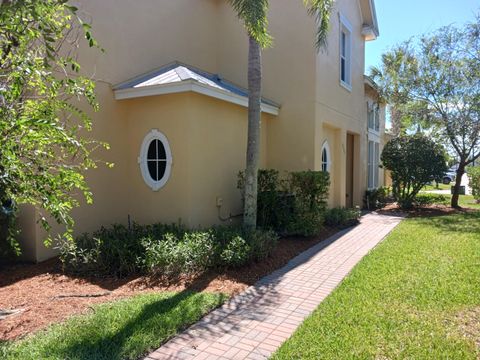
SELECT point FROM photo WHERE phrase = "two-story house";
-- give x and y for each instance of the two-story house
(173, 107)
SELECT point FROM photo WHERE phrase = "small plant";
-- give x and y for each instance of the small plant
(262, 243)
(236, 253)
(377, 198)
(342, 217)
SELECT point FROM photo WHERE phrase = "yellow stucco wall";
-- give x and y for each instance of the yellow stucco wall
(208, 136)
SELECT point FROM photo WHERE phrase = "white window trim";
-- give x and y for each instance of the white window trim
(374, 107)
(373, 164)
(326, 147)
(346, 27)
(142, 160)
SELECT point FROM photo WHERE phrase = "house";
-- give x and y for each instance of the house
(171, 86)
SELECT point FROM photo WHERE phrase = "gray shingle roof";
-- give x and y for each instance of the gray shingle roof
(178, 72)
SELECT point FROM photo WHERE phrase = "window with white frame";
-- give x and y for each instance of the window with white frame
(373, 164)
(155, 160)
(373, 117)
(326, 157)
(345, 52)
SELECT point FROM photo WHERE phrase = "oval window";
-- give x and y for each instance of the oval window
(155, 160)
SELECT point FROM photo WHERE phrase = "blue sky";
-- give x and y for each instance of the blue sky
(401, 19)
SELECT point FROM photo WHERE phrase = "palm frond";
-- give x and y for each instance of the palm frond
(321, 10)
(253, 13)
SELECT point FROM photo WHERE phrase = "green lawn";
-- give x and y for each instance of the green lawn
(440, 187)
(405, 300)
(124, 329)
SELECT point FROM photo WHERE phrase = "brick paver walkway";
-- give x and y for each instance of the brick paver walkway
(255, 323)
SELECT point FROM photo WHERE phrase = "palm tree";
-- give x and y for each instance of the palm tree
(253, 13)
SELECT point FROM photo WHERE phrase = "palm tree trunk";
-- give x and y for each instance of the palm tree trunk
(396, 121)
(253, 141)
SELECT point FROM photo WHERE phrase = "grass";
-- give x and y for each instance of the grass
(404, 300)
(440, 187)
(465, 201)
(124, 329)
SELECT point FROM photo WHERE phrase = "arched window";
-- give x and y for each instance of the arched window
(326, 157)
(155, 160)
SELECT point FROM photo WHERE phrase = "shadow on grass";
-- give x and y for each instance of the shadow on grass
(125, 343)
(106, 335)
(460, 221)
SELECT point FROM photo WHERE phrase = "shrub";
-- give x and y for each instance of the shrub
(293, 206)
(310, 190)
(429, 199)
(414, 161)
(377, 198)
(236, 253)
(274, 204)
(474, 181)
(166, 250)
(171, 256)
(262, 243)
(112, 251)
(342, 217)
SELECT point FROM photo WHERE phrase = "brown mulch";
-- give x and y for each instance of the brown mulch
(425, 211)
(46, 295)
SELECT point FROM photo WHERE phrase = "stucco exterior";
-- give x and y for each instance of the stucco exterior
(207, 135)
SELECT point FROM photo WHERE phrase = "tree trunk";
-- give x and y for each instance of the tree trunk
(253, 142)
(458, 181)
(395, 121)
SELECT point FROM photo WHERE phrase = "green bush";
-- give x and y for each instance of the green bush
(274, 203)
(377, 198)
(165, 250)
(430, 199)
(310, 190)
(342, 217)
(262, 243)
(474, 180)
(292, 206)
(116, 251)
(236, 253)
(414, 161)
(171, 256)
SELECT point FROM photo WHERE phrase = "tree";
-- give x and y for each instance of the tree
(253, 13)
(436, 82)
(414, 161)
(42, 153)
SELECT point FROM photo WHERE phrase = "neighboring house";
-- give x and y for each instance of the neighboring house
(171, 86)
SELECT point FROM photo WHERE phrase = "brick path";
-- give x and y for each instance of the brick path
(255, 323)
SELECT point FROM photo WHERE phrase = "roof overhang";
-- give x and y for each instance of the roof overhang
(179, 78)
(370, 28)
(190, 86)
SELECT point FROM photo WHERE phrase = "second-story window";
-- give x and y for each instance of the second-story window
(345, 53)
(374, 117)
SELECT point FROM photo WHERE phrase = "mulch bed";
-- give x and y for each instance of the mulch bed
(45, 295)
(425, 211)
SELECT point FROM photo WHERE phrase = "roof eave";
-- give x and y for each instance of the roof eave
(370, 29)
(190, 86)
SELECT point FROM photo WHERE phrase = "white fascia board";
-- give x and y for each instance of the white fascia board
(190, 85)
